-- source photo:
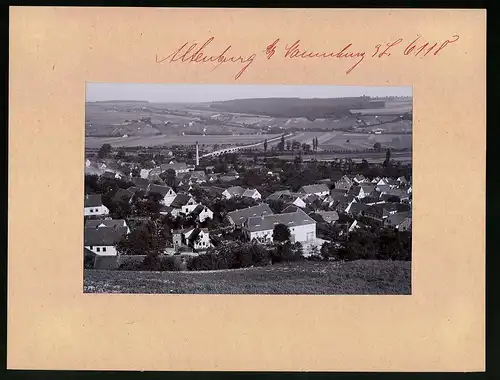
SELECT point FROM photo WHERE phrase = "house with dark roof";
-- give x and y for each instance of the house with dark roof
(202, 213)
(238, 217)
(381, 211)
(141, 183)
(344, 202)
(183, 204)
(359, 179)
(214, 191)
(329, 217)
(93, 205)
(107, 223)
(196, 238)
(102, 241)
(111, 175)
(166, 192)
(238, 191)
(193, 177)
(400, 221)
(344, 183)
(356, 209)
(123, 196)
(302, 227)
(320, 190)
(278, 195)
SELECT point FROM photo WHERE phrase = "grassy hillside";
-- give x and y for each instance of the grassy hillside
(357, 277)
(296, 107)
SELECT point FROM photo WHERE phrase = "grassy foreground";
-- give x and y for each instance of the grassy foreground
(357, 277)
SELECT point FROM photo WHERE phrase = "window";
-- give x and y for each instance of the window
(104, 249)
(98, 249)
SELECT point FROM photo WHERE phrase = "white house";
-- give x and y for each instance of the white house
(252, 193)
(93, 205)
(232, 192)
(238, 217)
(183, 204)
(299, 202)
(144, 173)
(321, 190)
(202, 213)
(103, 240)
(302, 226)
(196, 238)
(166, 192)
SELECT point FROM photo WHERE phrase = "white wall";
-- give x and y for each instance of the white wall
(169, 198)
(110, 250)
(98, 210)
(303, 233)
(298, 233)
(205, 215)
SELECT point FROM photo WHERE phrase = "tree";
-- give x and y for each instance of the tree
(387, 157)
(168, 177)
(288, 145)
(104, 151)
(297, 160)
(147, 240)
(281, 233)
(377, 147)
(121, 154)
(265, 145)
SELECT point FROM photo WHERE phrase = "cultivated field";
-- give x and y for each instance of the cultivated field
(164, 140)
(337, 140)
(357, 277)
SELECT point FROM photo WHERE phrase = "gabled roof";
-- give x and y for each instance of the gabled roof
(267, 222)
(197, 231)
(357, 208)
(141, 183)
(277, 195)
(312, 189)
(93, 200)
(398, 218)
(103, 236)
(122, 195)
(180, 200)
(367, 189)
(329, 216)
(235, 190)
(248, 192)
(198, 209)
(159, 189)
(95, 223)
(239, 216)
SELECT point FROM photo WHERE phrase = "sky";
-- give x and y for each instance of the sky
(206, 93)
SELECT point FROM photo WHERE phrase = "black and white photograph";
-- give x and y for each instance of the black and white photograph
(247, 189)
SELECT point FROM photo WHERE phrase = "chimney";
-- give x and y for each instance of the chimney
(197, 155)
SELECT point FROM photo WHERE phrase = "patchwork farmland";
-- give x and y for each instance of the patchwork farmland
(338, 124)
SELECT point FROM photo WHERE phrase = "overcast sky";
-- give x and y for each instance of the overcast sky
(207, 93)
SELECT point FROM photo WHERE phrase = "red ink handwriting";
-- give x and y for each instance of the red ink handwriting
(271, 49)
(296, 51)
(196, 53)
(188, 54)
(414, 48)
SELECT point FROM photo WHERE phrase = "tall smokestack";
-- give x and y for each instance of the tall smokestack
(197, 155)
